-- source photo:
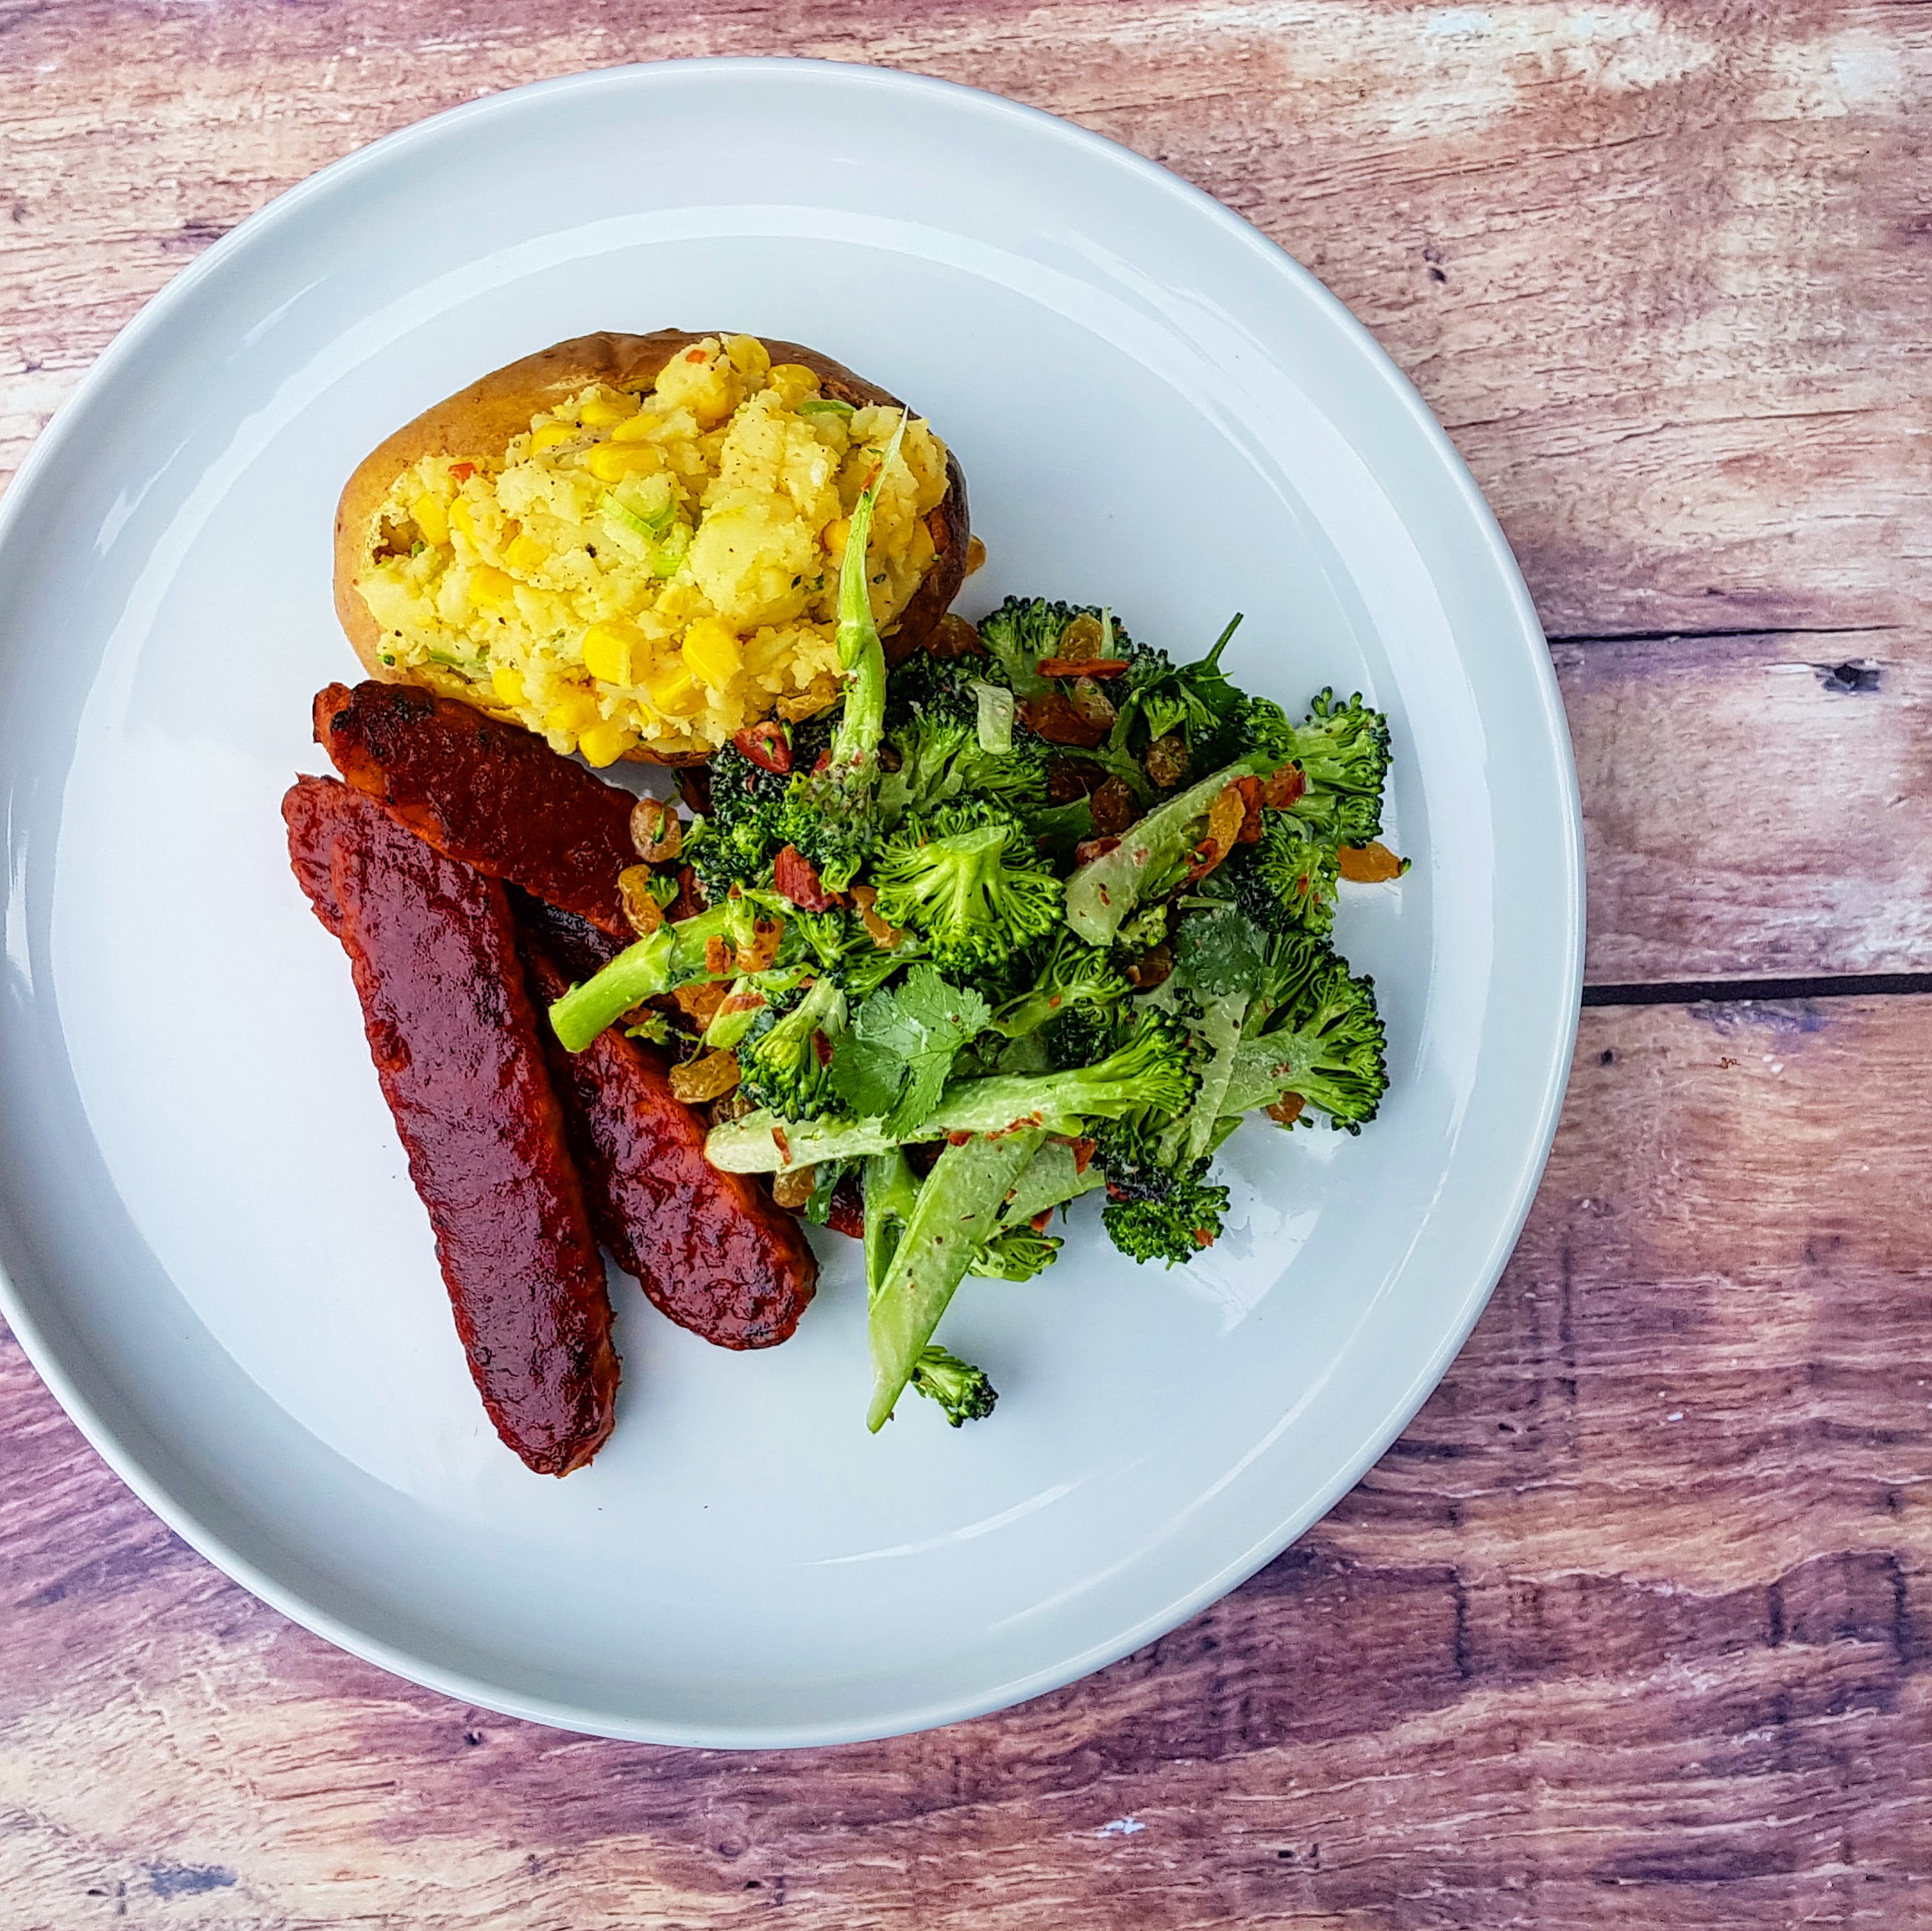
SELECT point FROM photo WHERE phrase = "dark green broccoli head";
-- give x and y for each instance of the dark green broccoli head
(959, 1387)
(1084, 1035)
(738, 833)
(1287, 881)
(967, 879)
(784, 1060)
(1171, 1225)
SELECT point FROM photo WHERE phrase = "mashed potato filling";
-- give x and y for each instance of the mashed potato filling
(657, 570)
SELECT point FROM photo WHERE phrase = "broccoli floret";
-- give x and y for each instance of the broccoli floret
(1024, 630)
(1344, 750)
(1083, 1036)
(1174, 1226)
(968, 880)
(1286, 882)
(1016, 1254)
(832, 824)
(782, 1060)
(1066, 976)
(735, 839)
(952, 727)
(1317, 1036)
(961, 1390)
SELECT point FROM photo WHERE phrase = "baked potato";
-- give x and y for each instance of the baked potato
(631, 543)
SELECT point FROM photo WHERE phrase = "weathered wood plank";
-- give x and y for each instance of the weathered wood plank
(1633, 1627)
(1755, 806)
(1713, 417)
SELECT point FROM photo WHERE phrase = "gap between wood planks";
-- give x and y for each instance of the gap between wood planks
(1696, 991)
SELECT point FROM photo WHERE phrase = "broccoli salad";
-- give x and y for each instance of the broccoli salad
(1045, 915)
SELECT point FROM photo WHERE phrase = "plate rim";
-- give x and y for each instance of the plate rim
(287, 1600)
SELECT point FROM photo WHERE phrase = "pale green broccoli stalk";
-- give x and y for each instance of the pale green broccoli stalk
(1152, 1071)
(957, 1213)
(966, 878)
(673, 956)
(1152, 854)
(861, 654)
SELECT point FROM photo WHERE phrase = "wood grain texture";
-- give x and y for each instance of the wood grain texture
(1661, 270)
(1632, 1626)
(1755, 805)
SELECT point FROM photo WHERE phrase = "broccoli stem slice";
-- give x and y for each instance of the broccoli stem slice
(957, 1213)
(1106, 889)
(861, 654)
(1006, 1103)
(670, 957)
(1053, 1180)
(891, 1193)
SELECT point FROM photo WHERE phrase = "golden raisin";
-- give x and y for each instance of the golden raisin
(705, 1077)
(1167, 760)
(641, 906)
(656, 830)
(1370, 864)
(793, 1187)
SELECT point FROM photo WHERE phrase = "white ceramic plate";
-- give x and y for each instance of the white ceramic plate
(214, 1253)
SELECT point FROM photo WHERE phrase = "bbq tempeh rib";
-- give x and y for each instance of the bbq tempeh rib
(490, 794)
(711, 1249)
(456, 1044)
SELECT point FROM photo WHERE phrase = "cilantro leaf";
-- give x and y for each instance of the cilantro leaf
(892, 1061)
(1219, 951)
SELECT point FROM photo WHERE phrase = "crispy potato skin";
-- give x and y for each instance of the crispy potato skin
(479, 422)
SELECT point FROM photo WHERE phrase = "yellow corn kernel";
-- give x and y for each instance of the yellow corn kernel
(638, 428)
(571, 712)
(607, 408)
(711, 650)
(612, 462)
(461, 522)
(551, 435)
(749, 355)
(834, 534)
(614, 652)
(525, 554)
(489, 587)
(603, 744)
(671, 687)
(508, 683)
(922, 549)
(427, 512)
(792, 382)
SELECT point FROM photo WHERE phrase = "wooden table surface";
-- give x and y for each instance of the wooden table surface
(1634, 1626)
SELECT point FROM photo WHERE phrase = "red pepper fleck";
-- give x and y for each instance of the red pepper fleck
(1042, 1220)
(821, 1049)
(783, 1145)
(1088, 850)
(825, 759)
(463, 471)
(695, 355)
(797, 879)
(1083, 1153)
(957, 1139)
(767, 746)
